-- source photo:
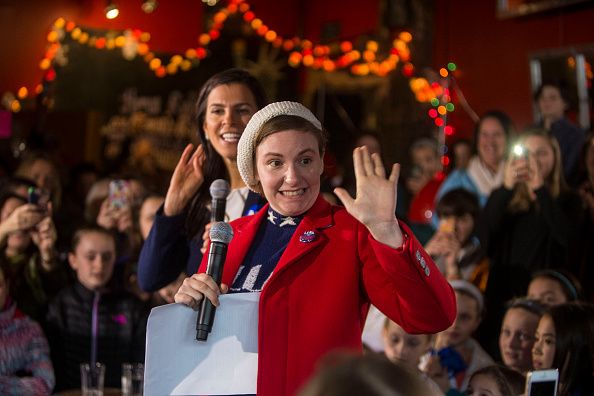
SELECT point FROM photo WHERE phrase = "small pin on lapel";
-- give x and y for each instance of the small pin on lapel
(307, 237)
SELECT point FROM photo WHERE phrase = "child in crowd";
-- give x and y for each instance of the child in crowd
(27, 241)
(496, 380)
(402, 347)
(89, 323)
(423, 182)
(553, 287)
(517, 333)
(454, 247)
(456, 355)
(25, 366)
(564, 341)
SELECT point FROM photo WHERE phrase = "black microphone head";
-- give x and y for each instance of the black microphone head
(221, 232)
(219, 189)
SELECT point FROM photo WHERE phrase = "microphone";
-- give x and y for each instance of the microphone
(221, 234)
(219, 189)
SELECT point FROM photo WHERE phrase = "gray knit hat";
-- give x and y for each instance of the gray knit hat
(247, 142)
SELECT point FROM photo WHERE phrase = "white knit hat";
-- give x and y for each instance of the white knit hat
(247, 142)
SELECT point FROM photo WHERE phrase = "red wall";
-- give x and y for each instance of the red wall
(493, 54)
(175, 26)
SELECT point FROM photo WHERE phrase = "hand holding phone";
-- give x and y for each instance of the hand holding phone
(119, 194)
(542, 382)
(38, 197)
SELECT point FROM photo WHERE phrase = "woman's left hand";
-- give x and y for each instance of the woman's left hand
(375, 203)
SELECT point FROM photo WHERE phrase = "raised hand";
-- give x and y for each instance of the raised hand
(185, 181)
(22, 218)
(375, 201)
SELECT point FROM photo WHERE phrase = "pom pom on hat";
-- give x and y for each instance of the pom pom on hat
(247, 142)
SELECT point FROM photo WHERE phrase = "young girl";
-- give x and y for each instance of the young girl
(564, 341)
(496, 381)
(553, 287)
(27, 241)
(517, 333)
(25, 366)
(454, 247)
(457, 355)
(407, 349)
(89, 323)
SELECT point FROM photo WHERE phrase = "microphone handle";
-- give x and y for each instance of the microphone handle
(216, 259)
(218, 210)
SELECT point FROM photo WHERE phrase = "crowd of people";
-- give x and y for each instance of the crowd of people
(472, 277)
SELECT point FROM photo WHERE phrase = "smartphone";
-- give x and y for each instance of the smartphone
(519, 151)
(38, 196)
(119, 194)
(542, 382)
(447, 225)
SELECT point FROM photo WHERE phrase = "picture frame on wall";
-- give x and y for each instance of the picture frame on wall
(572, 69)
(517, 8)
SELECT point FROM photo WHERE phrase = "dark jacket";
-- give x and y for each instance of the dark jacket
(168, 250)
(121, 333)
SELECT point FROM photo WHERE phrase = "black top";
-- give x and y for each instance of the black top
(121, 329)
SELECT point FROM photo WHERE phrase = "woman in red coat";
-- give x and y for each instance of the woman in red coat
(317, 266)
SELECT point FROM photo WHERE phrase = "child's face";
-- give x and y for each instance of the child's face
(547, 291)
(462, 225)
(517, 338)
(403, 347)
(544, 347)
(93, 260)
(483, 385)
(467, 320)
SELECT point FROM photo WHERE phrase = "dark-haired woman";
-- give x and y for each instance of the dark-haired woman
(225, 104)
(565, 341)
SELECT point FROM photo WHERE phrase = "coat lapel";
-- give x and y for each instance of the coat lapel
(308, 235)
(315, 220)
(242, 240)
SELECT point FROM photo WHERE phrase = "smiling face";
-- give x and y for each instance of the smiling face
(491, 142)
(399, 346)
(517, 338)
(288, 167)
(540, 148)
(543, 351)
(93, 259)
(229, 108)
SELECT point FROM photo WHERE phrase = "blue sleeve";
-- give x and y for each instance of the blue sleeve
(166, 252)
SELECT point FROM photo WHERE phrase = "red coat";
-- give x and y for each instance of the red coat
(317, 298)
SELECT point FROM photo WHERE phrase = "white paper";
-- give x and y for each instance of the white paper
(226, 364)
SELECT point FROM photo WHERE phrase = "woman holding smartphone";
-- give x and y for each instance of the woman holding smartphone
(564, 340)
(528, 221)
(225, 104)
